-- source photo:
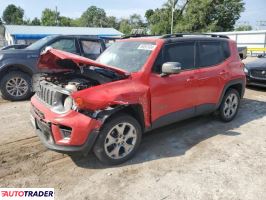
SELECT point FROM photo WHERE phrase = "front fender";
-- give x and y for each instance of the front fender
(23, 63)
(123, 92)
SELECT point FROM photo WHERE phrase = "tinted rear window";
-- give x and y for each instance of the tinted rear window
(212, 53)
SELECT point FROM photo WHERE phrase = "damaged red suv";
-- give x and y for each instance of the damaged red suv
(136, 85)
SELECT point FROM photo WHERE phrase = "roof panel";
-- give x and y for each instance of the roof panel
(59, 30)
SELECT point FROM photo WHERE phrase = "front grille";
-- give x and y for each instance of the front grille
(261, 74)
(46, 94)
(37, 112)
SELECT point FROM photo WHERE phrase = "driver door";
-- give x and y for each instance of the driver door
(173, 96)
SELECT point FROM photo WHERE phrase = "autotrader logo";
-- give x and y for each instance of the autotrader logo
(27, 193)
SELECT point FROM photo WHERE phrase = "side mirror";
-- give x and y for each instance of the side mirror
(171, 68)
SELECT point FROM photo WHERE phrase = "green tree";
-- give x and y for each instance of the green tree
(135, 21)
(124, 26)
(210, 15)
(76, 22)
(195, 16)
(26, 21)
(160, 21)
(243, 28)
(50, 17)
(170, 4)
(1, 21)
(13, 15)
(112, 22)
(94, 17)
(64, 21)
(148, 14)
(36, 22)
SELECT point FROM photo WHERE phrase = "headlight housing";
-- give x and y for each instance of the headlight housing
(68, 103)
(1, 56)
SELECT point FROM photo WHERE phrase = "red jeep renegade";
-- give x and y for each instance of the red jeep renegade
(136, 85)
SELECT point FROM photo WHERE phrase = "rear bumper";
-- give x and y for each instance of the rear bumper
(82, 131)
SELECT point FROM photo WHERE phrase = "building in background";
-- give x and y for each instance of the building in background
(251, 39)
(19, 34)
(255, 41)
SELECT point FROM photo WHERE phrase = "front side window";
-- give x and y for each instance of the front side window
(40, 43)
(211, 53)
(128, 55)
(184, 53)
(67, 45)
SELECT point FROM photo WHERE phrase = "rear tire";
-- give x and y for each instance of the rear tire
(119, 140)
(229, 106)
(16, 86)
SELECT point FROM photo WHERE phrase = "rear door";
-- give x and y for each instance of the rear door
(172, 97)
(211, 72)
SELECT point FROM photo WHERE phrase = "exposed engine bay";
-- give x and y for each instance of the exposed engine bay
(76, 80)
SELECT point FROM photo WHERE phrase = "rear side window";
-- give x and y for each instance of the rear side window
(183, 53)
(91, 49)
(212, 53)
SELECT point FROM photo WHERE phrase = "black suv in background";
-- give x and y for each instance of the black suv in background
(18, 66)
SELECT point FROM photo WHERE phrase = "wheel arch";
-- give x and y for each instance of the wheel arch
(238, 84)
(134, 110)
(15, 67)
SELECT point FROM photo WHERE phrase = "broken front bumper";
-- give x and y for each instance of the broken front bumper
(69, 132)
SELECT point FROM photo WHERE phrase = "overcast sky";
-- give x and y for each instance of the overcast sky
(255, 9)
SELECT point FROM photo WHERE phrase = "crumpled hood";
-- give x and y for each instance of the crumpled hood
(56, 60)
(259, 63)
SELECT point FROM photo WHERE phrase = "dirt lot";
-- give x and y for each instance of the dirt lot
(201, 158)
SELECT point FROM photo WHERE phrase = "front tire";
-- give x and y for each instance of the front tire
(229, 106)
(16, 86)
(119, 140)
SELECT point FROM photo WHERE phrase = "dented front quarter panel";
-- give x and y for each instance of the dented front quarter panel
(124, 92)
(133, 90)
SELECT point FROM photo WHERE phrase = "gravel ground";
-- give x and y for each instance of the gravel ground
(200, 158)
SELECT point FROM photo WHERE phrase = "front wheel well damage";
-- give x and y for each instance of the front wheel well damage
(134, 110)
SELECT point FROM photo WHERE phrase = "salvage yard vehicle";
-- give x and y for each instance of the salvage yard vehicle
(15, 46)
(135, 86)
(256, 72)
(18, 65)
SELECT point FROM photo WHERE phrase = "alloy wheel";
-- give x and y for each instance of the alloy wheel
(17, 86)
(231, 105)
(120, 140)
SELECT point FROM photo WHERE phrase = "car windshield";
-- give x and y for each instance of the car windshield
(129, 56)
(40, 43)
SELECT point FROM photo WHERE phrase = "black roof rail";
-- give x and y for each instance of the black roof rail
(193, 34)
(136, 36)
(133, 36)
